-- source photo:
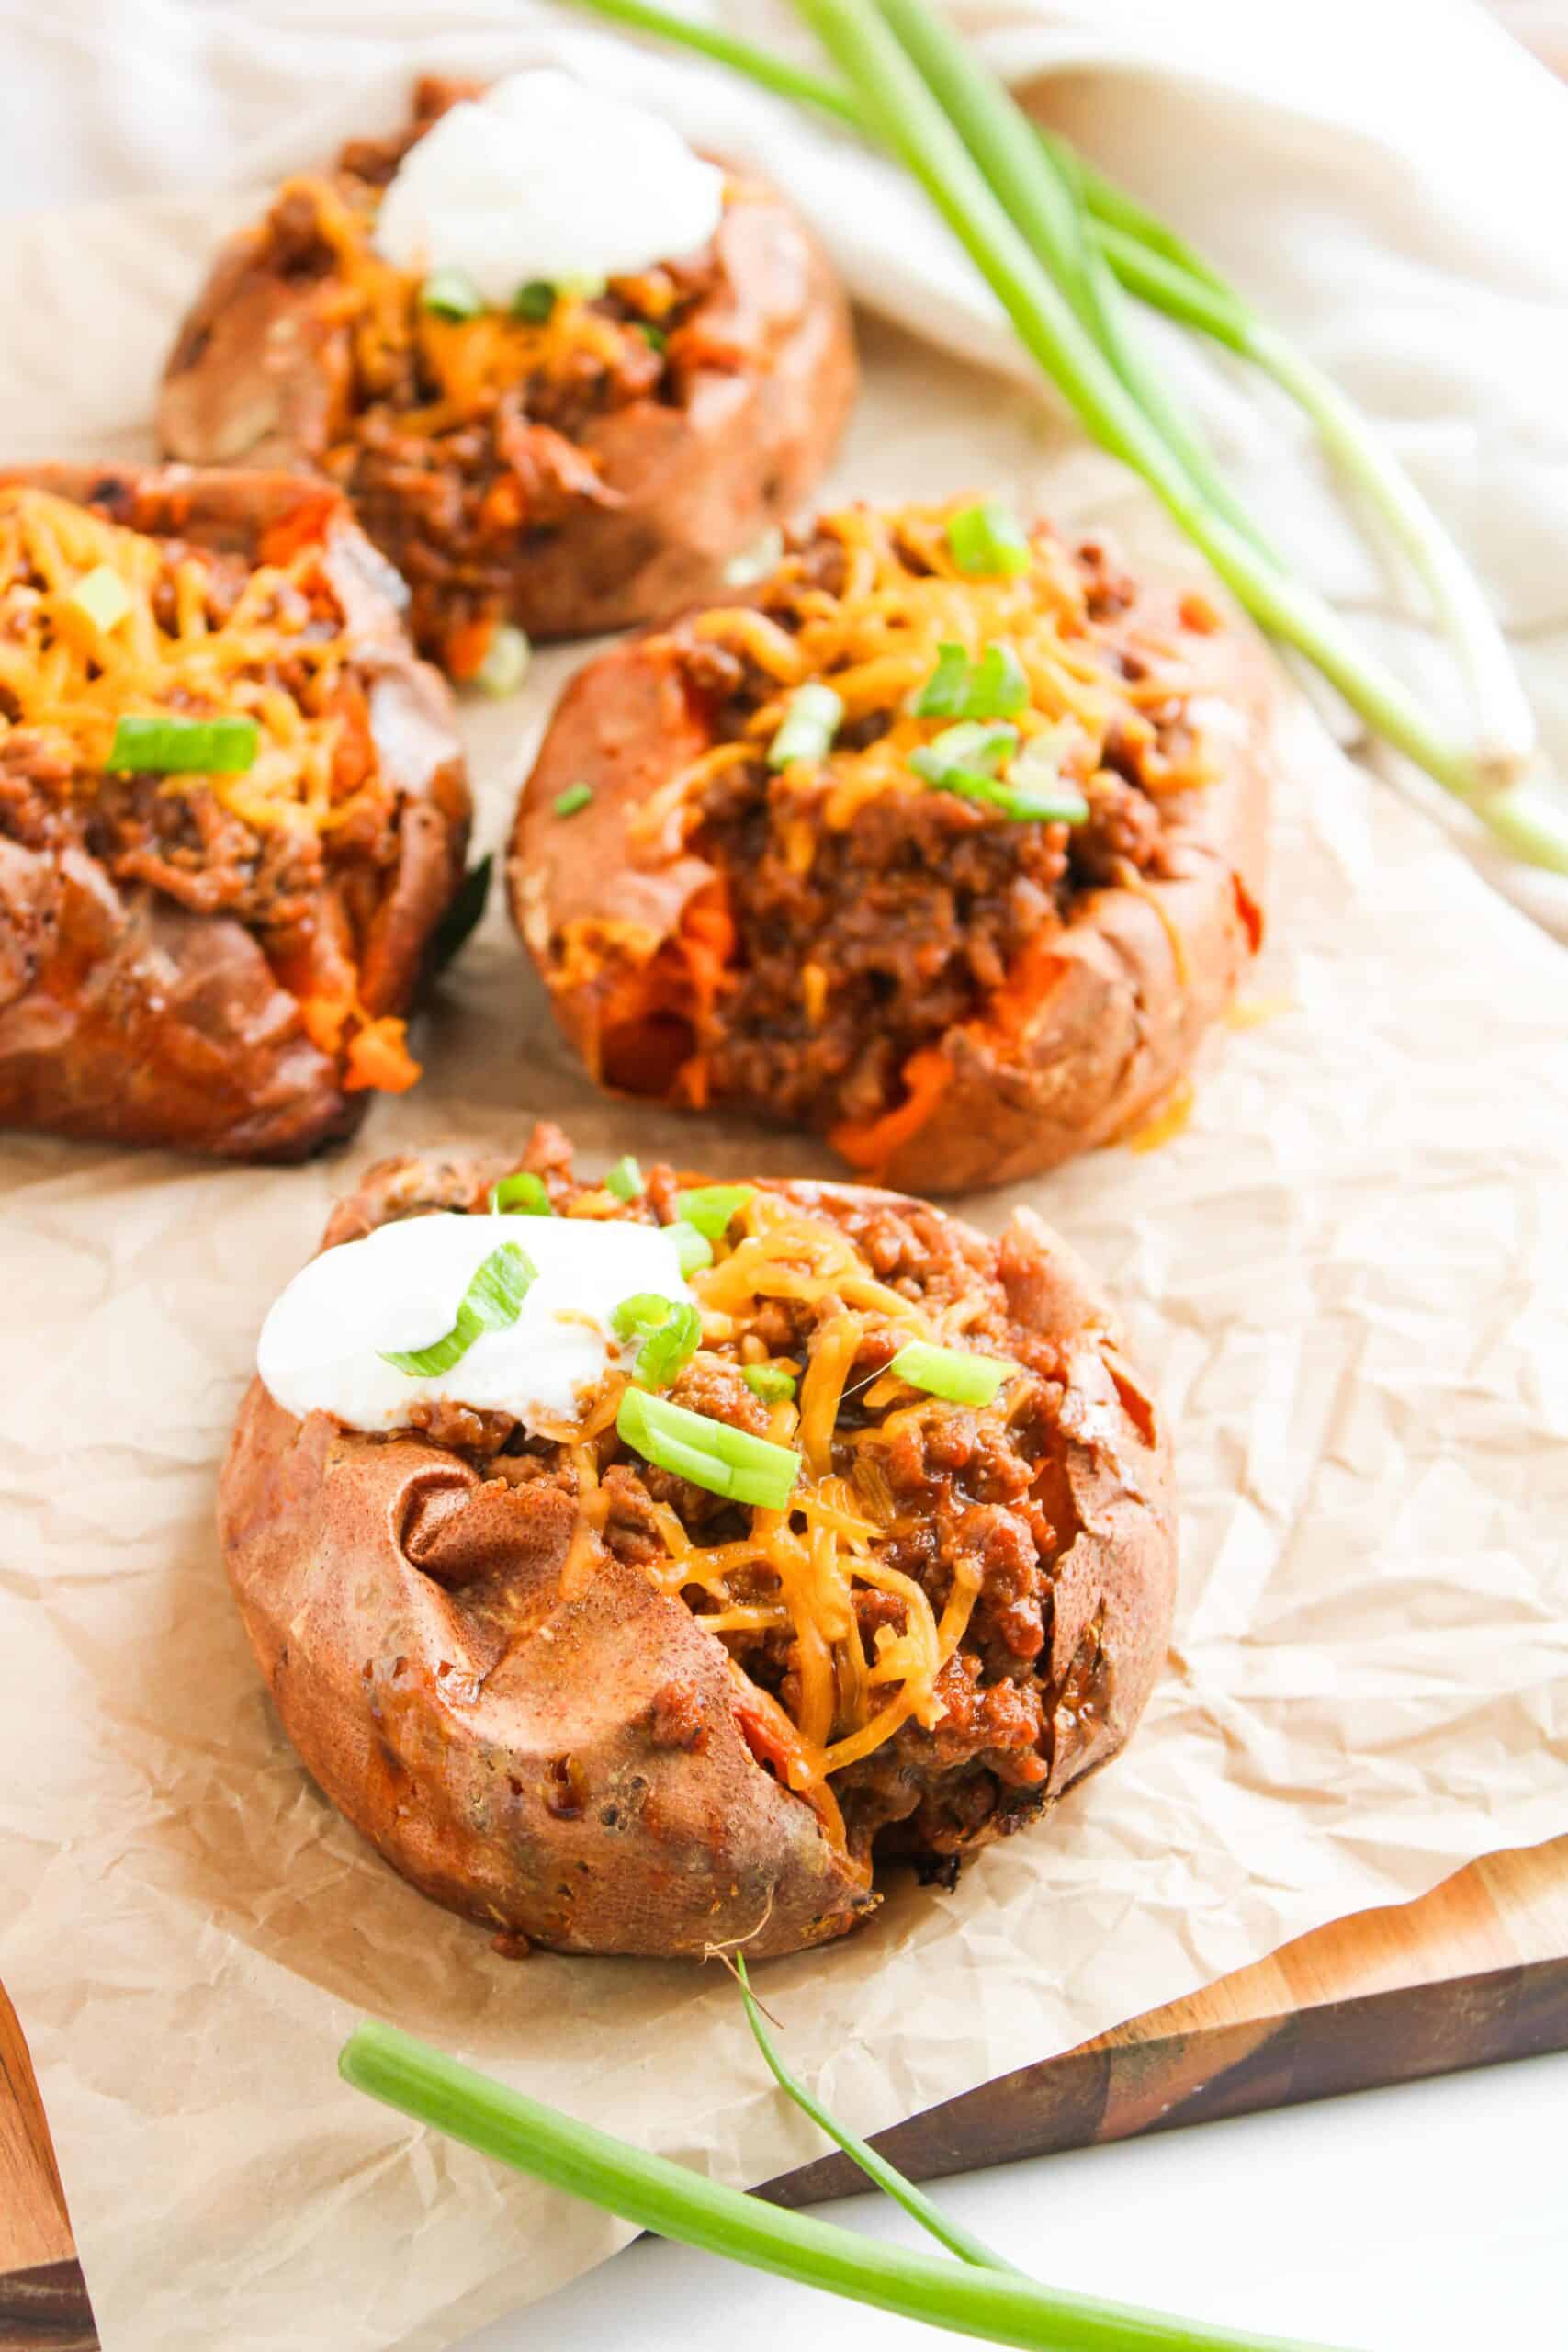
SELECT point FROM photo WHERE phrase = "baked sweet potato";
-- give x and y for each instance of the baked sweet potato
(219, 962)
(595, 1705)
(583, 471)
(958, 986)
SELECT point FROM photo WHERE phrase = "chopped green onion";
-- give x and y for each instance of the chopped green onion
(671, 1331)
(575, 796)
(996, 2306)
(722, 1460)
(492, 1302)
(810, 723)
(670, 1347)
(951, 1373)
(993, 687)
(584, 289)
(506, 661)
(185, 746)
(988, 541)
(520, 1196)
(1035, 778)
(694, 1249)
(624, 1180)
(965, 759)
(655, 337)
(771, 1382)
(974, 748)
(534, 302)
(711, 1206)
(449, 295)
(101, 597)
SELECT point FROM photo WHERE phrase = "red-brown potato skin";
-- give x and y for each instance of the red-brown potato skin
(1103, 1047)
(256, 378)
(129, 1019)
(498, 1743)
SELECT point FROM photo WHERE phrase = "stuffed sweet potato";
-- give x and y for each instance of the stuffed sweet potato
(854, 1546)
(232, 811)
(569, 458)
(946, 842)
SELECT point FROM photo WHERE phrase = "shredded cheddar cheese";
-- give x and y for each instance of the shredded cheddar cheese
(168, 655)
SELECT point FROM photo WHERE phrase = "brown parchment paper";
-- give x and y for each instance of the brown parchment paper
(1348, 1276)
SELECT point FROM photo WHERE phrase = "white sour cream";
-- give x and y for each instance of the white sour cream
(545, 178)
(400, 1289)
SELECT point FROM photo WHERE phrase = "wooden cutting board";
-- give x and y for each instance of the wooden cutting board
(1475, 1972)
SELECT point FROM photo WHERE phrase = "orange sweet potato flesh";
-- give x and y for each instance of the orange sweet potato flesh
(503, 1743)
(126, 1017)
(1099, 1022)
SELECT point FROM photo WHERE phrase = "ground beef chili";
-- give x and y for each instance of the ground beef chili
(447, 462)
(952, 1493)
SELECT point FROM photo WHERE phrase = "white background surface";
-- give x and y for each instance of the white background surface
(1433, 2217)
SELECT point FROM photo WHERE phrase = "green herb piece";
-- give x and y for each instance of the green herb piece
(694, 1249)
(993, 2305)
(771, 1382)
(810, 722)
(624, 1180)
(710, 1207)
(448, 294)
(722, 1460)
(464, 915)
(584, 289)
(534, 302)
(506, 661)
(575, 796)
(988, 541)
(101, 597)
(993, 687)
(492, 1302)
(185, 746)
(1034, 778)
(974, 748)
(952, 1374)
(655, 337)
(521, 1196)
(643, 1311)
(670, 1347)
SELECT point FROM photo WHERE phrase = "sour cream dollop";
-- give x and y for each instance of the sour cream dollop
(544, 179)
(400, 1289)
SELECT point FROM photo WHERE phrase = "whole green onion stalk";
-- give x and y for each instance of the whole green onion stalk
(1057, 241)
(993, 2305)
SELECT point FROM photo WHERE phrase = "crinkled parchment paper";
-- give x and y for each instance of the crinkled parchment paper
(1349, 1276)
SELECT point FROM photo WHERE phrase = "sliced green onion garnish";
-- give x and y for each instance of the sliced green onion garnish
(506, 661)
(584, 289)
(185, 746)
(951, 1373)
(974, 747)
(710, 1207)
(771, 1382)
(993, 687)
(575, 796)
(810, 723)
(988, 541)
(1035, 778)
(492, 1302)
(534, 302)
(520, 1196)
(672, 1328)
(655, 337)
(694, 1249)
(722, 1460)
(102, 597)
(449, 295)
(624, 1180)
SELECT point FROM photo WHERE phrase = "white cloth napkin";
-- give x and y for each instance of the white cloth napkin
(1386, 179)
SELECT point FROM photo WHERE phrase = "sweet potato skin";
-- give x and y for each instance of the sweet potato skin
(1135, 977)
(572, 1771)
(257, 374)
(126, 1018)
